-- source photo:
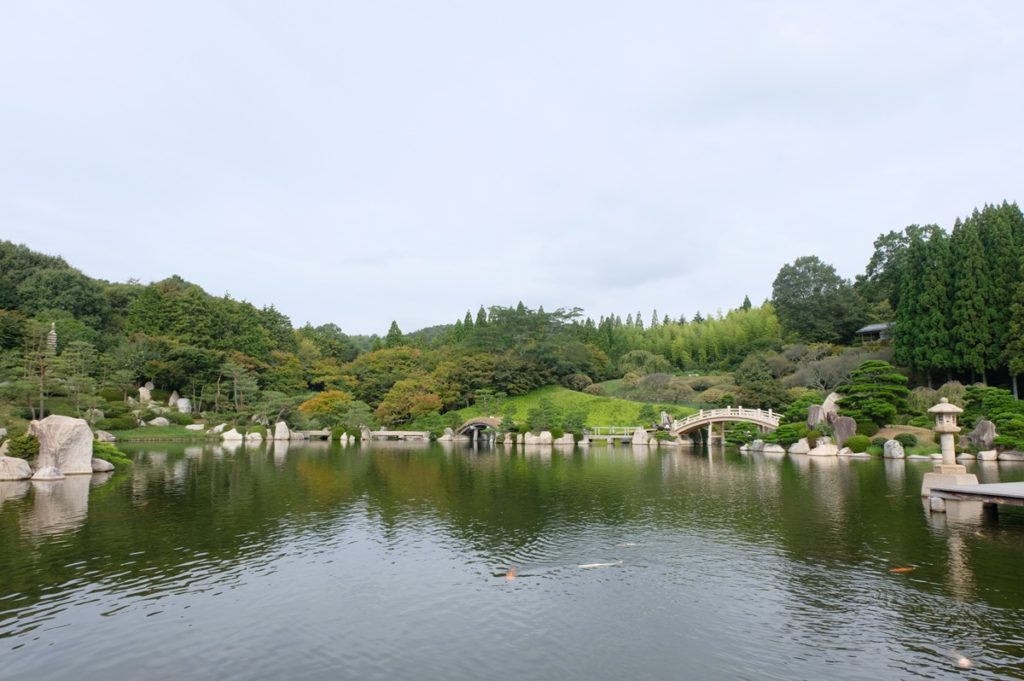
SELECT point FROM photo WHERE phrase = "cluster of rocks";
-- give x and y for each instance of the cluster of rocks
(65, 448)
(146, 402)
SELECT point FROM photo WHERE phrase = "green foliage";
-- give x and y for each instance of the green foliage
(110, 453)
(118, 423)
(858, 443)
(875, 392)
(867, 428)
(906, 439)
(556, 432)
(1002, 409)
(878, 442)
(812, 436)
(22, 446)
(787, 433)
(816, 304)
(544, 416)
(178, 418)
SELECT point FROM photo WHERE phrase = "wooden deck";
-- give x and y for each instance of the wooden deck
(1009, 493)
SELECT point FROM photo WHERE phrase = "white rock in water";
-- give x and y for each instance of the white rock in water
(253, 437)
(184, 405)
(13, 468)
(281, 431)
(640, 436)
(801, 446)
(159, 421)
(990, 455)
(893, 449)
(52, 473)
(65, 444)
(845, 451)
(567, 439)
(101, 466)
(1011, 456)
(827, 449)
(773, 449)
(104, 436)
(232, 435)
(937, 504)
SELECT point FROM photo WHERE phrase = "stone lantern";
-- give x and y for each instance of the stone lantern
(949, 472)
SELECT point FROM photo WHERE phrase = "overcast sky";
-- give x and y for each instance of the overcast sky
(362, 162)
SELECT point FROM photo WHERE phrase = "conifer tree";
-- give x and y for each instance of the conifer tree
(970, 331)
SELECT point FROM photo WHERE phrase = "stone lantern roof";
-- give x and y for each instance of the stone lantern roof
(944, 407)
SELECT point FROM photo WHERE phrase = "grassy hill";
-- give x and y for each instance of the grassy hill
(601, 411)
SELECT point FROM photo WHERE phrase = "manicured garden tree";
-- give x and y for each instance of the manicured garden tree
(875, 392)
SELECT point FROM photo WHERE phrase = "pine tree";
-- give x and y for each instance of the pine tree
(394, 337)
(467, 321)
(481, 317)
(654, 318)
(746, 303)
(970, 332)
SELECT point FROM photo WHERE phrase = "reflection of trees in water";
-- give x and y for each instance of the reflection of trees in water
(182, 504)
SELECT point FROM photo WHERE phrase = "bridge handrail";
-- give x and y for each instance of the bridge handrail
(762, 415)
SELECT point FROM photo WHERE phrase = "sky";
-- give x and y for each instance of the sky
(358, 163)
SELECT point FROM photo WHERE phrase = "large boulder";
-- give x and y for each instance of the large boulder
(232, 436)
(843, 428)
(218, 429)
(281, 431)
(145, 396)
(52, 473)
(13, 468)
(801, 446)
(984, 434)
(773, 448)
(172, 401)
(101, 466)
(65, 444)
(1011, 456)
(447, 436)
(160, 421)
(893, 449)
(988, 455)
(830, 406)
(149, 385)
(640, 436)
(815, 415)
(184, 405)
(104, 436)
(545, 437)
(824, 449)
(567, 439)
(253, 437)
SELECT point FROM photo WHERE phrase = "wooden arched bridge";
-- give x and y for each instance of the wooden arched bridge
(766, 419)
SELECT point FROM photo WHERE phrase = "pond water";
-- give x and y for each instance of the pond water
(392, 562)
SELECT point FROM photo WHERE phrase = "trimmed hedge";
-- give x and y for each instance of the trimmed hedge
(906, 439)
(858, 443)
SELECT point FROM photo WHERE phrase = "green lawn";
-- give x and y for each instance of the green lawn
(601, 411)
(159, 434)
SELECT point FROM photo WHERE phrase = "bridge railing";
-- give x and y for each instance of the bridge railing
(611, 430)
(766, 416)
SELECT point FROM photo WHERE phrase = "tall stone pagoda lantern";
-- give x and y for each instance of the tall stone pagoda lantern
(949, 472)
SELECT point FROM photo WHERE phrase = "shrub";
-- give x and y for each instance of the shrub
(858, 443)
(594, 389)
(148, 415)
(22, 446)
(907, 439)
(577, 382)
(112, 410)
(875, 450)
(787, 434)
(557, 432)
(120, 423)
(924, 421)
(664, 436)
(177, 418)
(111, 394)
(812, 437)
(110, 453)
(878, 442)
(867, 428)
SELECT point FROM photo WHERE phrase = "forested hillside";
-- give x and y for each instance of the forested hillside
(957, 300)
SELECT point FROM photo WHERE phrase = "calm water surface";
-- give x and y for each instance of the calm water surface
(390, 562)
